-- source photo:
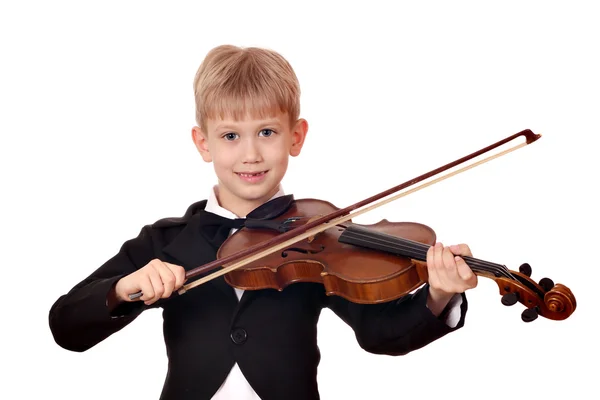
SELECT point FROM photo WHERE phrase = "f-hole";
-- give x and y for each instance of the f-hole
(302, 251)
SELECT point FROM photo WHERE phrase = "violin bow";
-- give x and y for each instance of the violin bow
(324, 222)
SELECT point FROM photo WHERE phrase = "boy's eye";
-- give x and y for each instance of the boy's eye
(266, 132)
(230, 136)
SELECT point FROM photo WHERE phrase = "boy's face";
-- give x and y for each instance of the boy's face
(250, 157)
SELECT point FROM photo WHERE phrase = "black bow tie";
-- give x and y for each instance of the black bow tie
(216, 228)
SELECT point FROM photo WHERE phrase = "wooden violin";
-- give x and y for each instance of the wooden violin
(375, 263)
(314, 241)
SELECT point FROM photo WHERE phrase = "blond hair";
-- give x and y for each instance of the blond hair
(235, 81)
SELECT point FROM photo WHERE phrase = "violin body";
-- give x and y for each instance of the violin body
(359, 274)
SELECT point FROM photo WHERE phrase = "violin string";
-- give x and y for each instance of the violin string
(475, 264)
(419, 250)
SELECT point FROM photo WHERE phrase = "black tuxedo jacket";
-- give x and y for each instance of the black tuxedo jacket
(272, 335)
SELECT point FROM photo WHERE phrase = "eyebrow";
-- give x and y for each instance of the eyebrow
(263, 124)
(224, 127)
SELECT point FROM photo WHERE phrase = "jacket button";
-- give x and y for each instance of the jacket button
(239, 336)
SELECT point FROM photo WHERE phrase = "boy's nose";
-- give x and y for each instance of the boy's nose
(251, 152)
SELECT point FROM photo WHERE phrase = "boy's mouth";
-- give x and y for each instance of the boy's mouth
(252, 176)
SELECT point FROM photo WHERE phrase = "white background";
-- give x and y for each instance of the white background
(96, 114)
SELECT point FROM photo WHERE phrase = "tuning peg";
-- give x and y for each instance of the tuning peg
(525, 269)
(510, 298)
(547, 284)
(530, 314)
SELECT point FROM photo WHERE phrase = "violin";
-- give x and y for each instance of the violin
(312, 240)
(375, 263)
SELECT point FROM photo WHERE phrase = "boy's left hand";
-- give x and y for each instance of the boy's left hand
(448, 274)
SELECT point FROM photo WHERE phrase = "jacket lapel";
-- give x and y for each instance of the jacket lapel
(195, 246)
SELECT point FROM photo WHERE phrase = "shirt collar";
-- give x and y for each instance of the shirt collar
(213, 206)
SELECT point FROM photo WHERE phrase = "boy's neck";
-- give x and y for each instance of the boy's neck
(241, 209)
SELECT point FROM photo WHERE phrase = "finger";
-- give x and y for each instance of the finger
(157, 284)
(437, 254)
(448, 271)
(433, 277)
(178, 272)
(465, 272)
(146, 288)
(168, 280)
(449, 265)
(437, 265)
(461, 250)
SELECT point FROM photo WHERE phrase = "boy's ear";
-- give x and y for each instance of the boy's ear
(201, 141)
(298, 136)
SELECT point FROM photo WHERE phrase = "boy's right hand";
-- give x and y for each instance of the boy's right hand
(156, 280)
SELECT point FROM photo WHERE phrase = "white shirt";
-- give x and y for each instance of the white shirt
(236, 386)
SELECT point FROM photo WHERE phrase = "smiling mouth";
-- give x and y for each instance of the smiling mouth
(251, 174)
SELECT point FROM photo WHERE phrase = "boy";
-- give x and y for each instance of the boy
(223, 343)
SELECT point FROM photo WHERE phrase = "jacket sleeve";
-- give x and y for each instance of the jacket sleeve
(397, 327)
(81, 318)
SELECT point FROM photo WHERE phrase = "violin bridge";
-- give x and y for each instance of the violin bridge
(312, 237)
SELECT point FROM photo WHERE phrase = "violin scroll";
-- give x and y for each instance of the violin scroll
(552, 301)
